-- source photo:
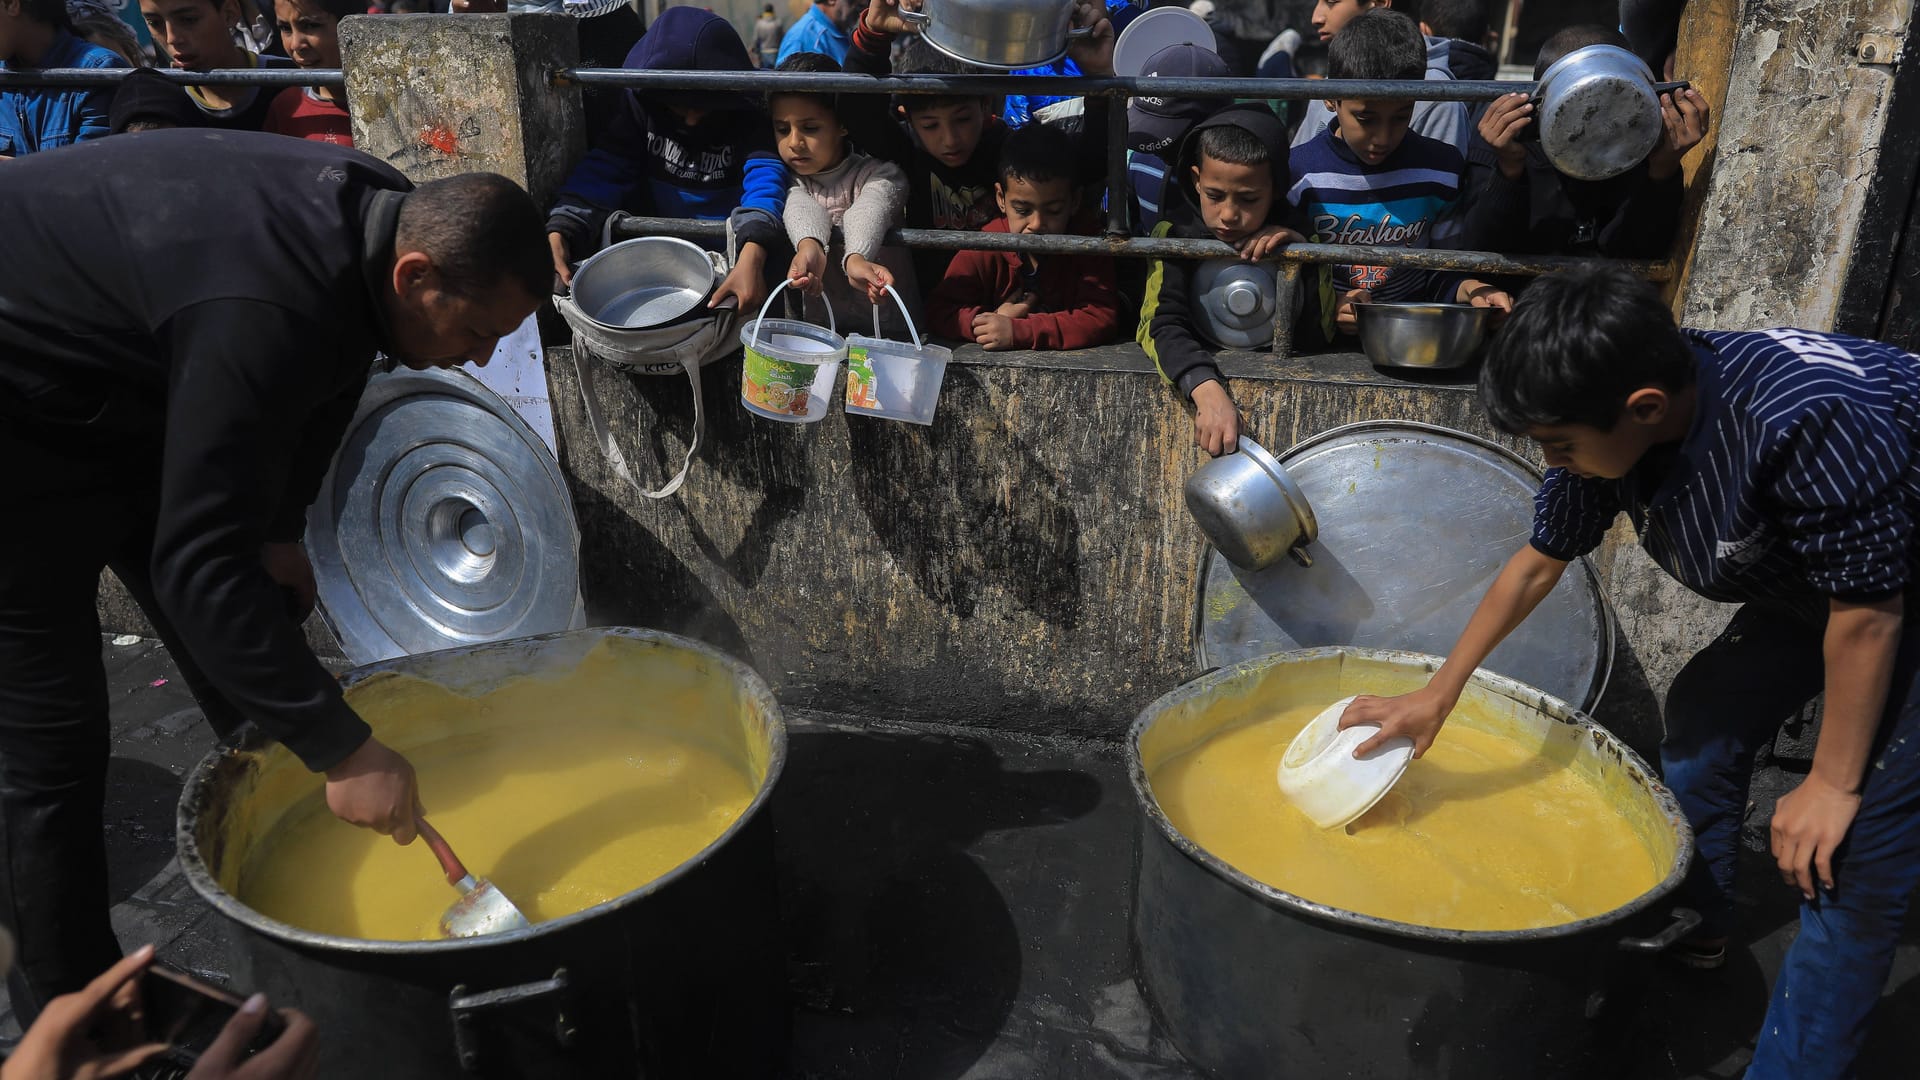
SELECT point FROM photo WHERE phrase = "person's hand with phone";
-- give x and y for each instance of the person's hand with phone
(93, 1032)
(293, 1055)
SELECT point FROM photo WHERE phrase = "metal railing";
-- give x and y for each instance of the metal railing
(1118, 240)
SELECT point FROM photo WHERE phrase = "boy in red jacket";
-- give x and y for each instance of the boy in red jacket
(1006, 300)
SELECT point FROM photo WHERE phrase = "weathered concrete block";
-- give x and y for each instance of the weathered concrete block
(1025, 563)
(1799, 139)
(439, 95)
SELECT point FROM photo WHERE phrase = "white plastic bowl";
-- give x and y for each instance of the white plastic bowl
(1322, 777)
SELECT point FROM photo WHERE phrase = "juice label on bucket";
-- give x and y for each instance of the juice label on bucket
(776, 385)
(860, 391)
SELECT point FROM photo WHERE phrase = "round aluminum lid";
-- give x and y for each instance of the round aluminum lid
(444, 521)
(1415, 522)
(1234, 301)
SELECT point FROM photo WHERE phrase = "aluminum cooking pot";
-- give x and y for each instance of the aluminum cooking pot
(1003, 34)
(1250, 509)
(1598, 111)
(649, 281)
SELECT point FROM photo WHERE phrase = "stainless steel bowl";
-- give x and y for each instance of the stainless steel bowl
(1003, 34)
(1250, 509)
(1598, 113)
(649, 281)
(1427, 336)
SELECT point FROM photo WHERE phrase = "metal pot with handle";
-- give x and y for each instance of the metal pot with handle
(1003, 34)
(1599, 112)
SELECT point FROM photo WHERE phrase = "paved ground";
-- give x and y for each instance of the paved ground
(956, 904)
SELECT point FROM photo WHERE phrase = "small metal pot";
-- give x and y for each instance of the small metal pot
(1003, 34)
(1598, 112)
(1250, 508)
(1433, 337)
(649, 281)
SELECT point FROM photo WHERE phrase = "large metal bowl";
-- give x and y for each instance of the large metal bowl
(1250, 509)
(1426, 336)
(649, 281)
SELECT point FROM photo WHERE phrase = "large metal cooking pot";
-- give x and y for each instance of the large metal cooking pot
(1003, 34)
(1250, 981)
(1599, 112)
(684, 976)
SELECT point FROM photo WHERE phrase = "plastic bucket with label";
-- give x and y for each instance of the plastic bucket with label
(892, 379)
(788, 367)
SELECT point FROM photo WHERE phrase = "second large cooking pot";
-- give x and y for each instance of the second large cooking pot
(1003, 34)
(684, 976)
(1250, 981)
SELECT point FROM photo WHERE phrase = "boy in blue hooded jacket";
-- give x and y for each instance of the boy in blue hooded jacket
(683, 153)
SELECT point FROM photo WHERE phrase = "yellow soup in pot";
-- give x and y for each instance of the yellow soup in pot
(546, 788)
(1482, 833)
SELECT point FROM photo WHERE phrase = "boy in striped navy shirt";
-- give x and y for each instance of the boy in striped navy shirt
(1777, 469)
(1369, 179)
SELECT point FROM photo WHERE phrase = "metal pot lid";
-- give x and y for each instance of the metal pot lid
(444, 521)
(1152, 31)
(1415, 522)
(1234, 302)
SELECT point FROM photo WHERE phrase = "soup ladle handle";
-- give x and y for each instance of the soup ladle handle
(449, 862)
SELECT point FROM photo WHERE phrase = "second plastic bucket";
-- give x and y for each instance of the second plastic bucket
(891, 379)
(789, 367)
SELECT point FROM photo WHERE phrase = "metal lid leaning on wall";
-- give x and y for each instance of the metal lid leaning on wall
(678, 345)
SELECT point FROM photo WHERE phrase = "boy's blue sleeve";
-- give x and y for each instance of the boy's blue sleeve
(94, 108)
(1571, 514)
(1839, 496)
(763, 200)
(605, 180)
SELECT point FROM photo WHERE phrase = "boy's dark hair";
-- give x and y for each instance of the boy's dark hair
(47, 12)
(919, 58)
(1232, 145)
(1572, 39)
(479, 229)
(339, 9)
(1036, 154)
(1378, 43)
(1577, 344)
(815, 62)
(1462, 19)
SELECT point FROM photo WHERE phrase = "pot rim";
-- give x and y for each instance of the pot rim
(1272, 897)
(950, 54)
(586, 267)
(1588, 53)
(1296, 499)
(195, 868)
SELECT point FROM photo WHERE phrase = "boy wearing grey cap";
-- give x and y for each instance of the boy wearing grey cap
(1155, 126)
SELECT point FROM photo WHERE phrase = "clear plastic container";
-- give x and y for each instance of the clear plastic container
(788, 367)
(894, 380)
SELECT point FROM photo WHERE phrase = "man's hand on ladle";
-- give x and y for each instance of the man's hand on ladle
(374, 788)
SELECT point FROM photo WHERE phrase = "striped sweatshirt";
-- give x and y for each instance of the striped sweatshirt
(1799, 472)
(1393, 204)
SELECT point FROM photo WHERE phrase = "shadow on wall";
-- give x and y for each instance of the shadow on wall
(905, 959)
(962, 507)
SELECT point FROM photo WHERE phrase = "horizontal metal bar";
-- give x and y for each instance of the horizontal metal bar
(1472, 262)
(1053, 85)
(31, 77)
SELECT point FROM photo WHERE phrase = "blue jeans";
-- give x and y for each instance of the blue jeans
(1729, 701)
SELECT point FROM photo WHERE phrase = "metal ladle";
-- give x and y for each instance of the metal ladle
(482, 907)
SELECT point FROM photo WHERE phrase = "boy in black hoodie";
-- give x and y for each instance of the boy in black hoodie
(1232, 179)
(681, 153)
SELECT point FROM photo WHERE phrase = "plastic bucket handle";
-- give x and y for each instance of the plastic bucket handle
(904, 313)
(761, 320)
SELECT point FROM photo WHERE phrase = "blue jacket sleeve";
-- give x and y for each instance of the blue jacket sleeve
(604, 181)
(763, 195)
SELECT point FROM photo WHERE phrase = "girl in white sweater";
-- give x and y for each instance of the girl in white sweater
(839, 210)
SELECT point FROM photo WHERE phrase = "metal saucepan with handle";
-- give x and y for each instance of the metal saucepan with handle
(1002, 34)
(1598, 111)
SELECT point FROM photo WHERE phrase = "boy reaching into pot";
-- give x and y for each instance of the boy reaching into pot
(1778, 469)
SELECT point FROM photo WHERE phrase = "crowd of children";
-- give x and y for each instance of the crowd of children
(810, 184)
(1361, 172)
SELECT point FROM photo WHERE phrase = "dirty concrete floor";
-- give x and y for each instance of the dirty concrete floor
(956, 905)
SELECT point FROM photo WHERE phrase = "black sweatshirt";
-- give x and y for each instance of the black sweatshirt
(204, 305)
